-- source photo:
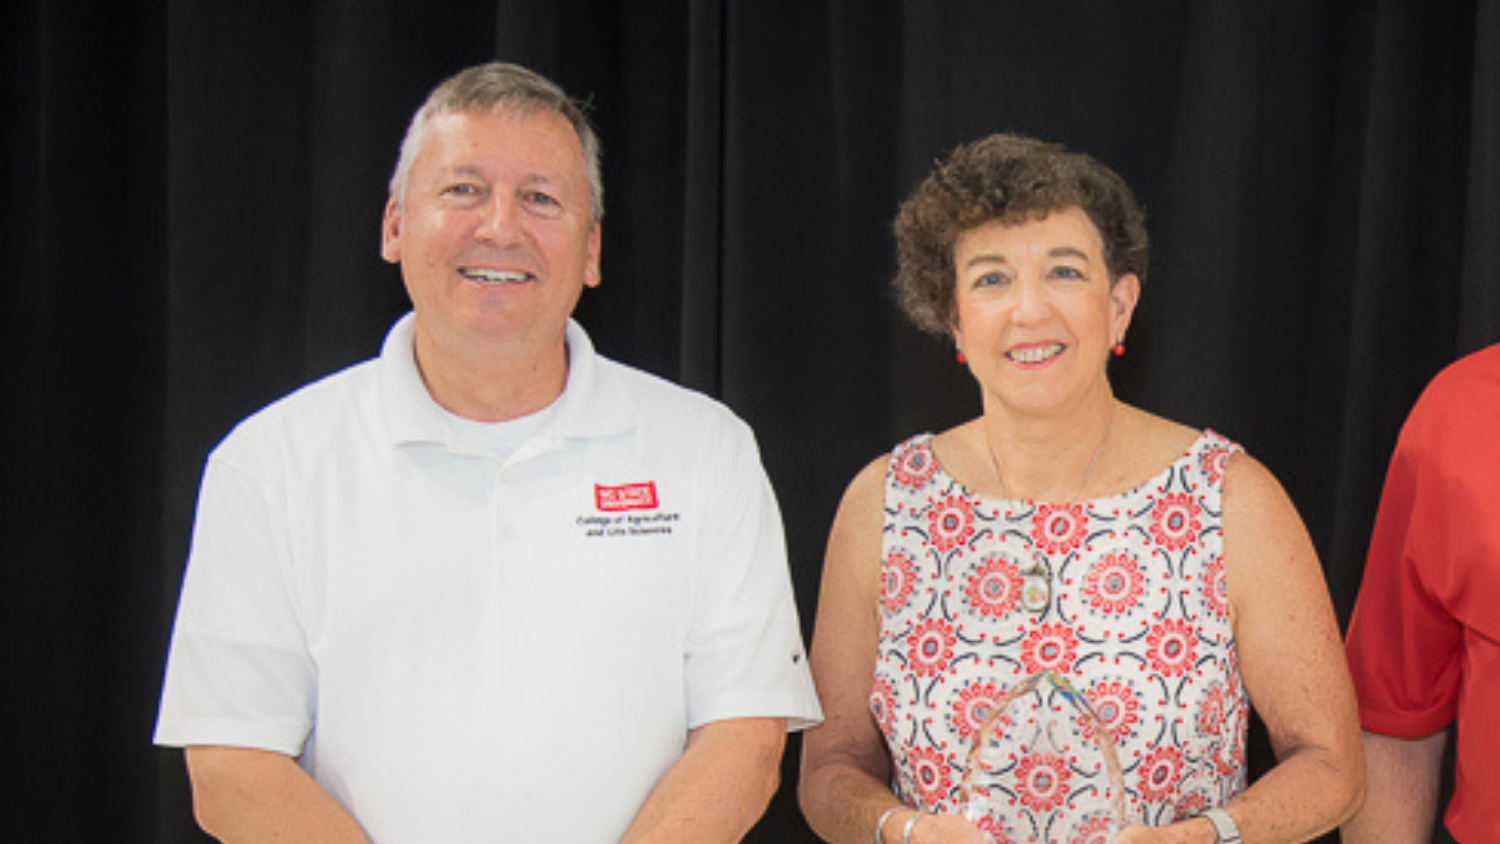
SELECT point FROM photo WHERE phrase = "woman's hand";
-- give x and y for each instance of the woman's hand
(956, 829)
(1194, 831)
(936, 829)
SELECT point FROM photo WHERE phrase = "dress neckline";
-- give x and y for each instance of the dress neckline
(1203, 440)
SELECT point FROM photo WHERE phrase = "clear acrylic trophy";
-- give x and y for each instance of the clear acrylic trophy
(1043, 770)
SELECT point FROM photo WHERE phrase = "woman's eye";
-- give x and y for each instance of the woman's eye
(1072, 273)
(991, 280)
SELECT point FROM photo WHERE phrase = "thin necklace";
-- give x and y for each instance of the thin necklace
(1036, 579)
(1087, 473)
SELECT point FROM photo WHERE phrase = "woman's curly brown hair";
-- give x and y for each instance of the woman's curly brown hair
(1007, 179)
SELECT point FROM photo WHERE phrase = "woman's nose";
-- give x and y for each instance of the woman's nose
(1031, 299)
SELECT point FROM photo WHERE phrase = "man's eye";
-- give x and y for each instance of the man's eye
(461, 190)
(543, 204)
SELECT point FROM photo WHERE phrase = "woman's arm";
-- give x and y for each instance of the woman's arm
(1292, 662)
(846, 768)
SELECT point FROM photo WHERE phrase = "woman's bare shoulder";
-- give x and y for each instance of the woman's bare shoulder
(1151, 443)
(864, 499)
(1154, 433)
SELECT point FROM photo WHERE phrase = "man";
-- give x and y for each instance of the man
(1424, 642)
(489, 586)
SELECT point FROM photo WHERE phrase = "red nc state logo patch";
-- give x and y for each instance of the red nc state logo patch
(640, 496)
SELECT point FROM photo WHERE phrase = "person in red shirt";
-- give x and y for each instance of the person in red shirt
(1424, 641)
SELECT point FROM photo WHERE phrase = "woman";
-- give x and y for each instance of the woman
(1157, 570)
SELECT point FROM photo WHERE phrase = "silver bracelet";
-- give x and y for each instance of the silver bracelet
(1224, 829)
(880, 824)
(906, 830)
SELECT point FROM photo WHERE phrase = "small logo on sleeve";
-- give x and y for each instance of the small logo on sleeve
(613, 499)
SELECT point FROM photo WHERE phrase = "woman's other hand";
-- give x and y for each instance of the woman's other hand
(937, 829)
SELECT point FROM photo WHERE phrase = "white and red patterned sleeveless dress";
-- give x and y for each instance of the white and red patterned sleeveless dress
(1137, 620)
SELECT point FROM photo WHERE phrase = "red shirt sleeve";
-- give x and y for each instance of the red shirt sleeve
(1430, 600)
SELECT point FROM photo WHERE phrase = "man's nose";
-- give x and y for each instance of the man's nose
(501, 221)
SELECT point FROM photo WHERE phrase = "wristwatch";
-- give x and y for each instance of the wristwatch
(1227, 832)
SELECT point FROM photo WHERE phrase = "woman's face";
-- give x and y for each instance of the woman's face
(1035, 314)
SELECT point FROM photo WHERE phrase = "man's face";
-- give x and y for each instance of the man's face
(493, 234)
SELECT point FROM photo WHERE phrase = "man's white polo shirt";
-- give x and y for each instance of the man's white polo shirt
(465, 649)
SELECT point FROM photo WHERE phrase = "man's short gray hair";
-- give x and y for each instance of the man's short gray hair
(494, 86)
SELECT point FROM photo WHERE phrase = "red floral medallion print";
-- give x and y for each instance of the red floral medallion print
(1117, 708)
(914, 466)
(1115, 584)
(1192, 804)
(1096, 830)
(950, 523)
(1059, 530)
(1172, 648)
(931, 647)
(1136, 617)
(933, 775)
(1160, 772)
(1227, 763)
(974, 706)
(994, 831)
(1042, 781)
(1213, 461)
(994, 588)
(1174, 521)
(883, 705)
(1216, 588)
(1211, 713)
(1050, 647)
(898, 578)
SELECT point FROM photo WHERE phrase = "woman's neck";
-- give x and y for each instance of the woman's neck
(1054, 458)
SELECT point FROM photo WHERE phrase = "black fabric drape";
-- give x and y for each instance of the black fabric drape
(82, 415)
(194, 193)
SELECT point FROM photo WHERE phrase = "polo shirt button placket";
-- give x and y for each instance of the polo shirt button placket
(505, 529)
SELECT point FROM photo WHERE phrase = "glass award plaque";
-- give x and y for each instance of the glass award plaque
(1043, 770)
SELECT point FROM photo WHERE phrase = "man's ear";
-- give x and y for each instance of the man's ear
(390, 232)
(591, 275)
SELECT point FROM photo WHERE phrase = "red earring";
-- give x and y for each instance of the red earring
(961, 358)
(1119, 348)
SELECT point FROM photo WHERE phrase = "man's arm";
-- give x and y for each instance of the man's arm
(1401, 797)
(244, 796)
(720, 786)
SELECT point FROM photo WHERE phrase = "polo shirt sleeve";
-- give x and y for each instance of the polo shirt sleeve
(1405, 647)
(238, 672)
(744, 654)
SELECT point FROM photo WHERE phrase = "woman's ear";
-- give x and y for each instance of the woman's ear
(1125, 293)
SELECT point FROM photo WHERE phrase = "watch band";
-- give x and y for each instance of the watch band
(1224, 827)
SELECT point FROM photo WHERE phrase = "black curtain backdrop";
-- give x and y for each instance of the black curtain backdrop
(193, 192)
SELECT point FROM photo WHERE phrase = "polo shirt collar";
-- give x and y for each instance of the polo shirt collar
(593, 403)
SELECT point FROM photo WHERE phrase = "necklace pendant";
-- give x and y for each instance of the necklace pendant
(1036, 589)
